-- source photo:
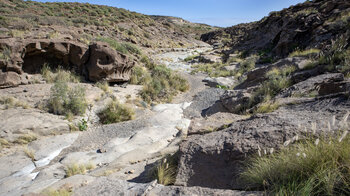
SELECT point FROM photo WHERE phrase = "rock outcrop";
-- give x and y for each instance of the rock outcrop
(97, 62)
(310, 24)
(214, 160)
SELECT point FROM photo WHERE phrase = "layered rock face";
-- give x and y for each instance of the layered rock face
(311, 24)
(96, 62)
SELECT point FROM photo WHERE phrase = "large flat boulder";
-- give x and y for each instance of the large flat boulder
(214, 160)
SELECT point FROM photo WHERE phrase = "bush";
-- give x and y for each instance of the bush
(59, 75)
(310, 167)
(115, 112)
(140, 76)
(65, 100)
(164, 85)
(246, 65)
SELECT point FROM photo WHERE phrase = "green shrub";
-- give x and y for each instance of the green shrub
(276, 80)
(337, 58)
(164, 85)
(140, 76)
(115, 112)
(83, 125)
(246, 65)
(64, 99)
(310, 167)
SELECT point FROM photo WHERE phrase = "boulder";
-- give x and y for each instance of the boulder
(220, 81)
(214, 160)
(9, 79)
(235, 100)
(257, 76)
(209, 59)
(324, 83)
(333, 87)
(107, 64)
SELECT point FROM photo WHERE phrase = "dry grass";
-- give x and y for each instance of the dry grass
(75, 169)
(267, 107)
(165, 171)
(11, 102)
(104, 86)
(305, 53)
(58, 75)
(25, 139)
(29, 153)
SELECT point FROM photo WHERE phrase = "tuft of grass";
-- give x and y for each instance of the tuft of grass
(66, 100)
(305, 53)
(246, 65)
(267, 107)
(164, 85)
(11, 102)
(75, 169)
(191, 58)
(59, 192)
(310, 167)
(104, 86)
(58, 75)
(25, 139)
(115, 112)
(166, 169)
(276, 80)
(30, 153)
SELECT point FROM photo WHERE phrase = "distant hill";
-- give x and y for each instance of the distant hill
(87, 22)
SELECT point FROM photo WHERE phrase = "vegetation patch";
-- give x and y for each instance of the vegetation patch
(122, 47)
(75, 169)
(267, 107)
(25, 139)
(310, 167)
(116, 112)
(166, 169)
(58, 75)
(65, 100)
(305, 53)
(191, 58)
(165, 84)
(11, 102)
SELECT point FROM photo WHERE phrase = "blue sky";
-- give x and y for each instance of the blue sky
(214, 12)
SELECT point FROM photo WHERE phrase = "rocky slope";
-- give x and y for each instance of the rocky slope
(86, 22)
(198, 144)
(312, 24)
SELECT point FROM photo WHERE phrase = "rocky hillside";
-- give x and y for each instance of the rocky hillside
(86, 23)
(312, 24)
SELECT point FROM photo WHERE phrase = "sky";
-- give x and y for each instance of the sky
(221, 13)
